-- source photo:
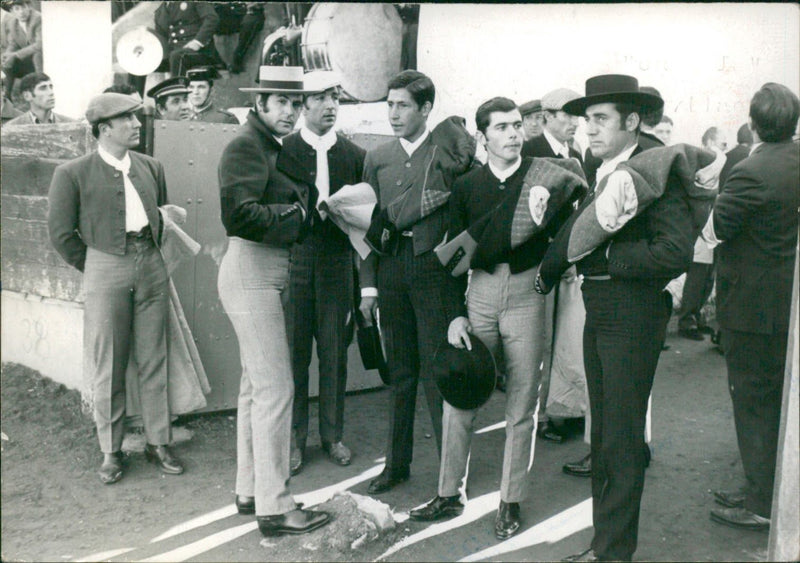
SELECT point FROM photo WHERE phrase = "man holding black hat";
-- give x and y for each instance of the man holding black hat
(626, 314)
(322, 277)
(200, 83)
(503, 312)
(172, 99)
(104, 221)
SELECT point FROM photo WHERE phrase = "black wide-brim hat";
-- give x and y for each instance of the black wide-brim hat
(614, 88)
(465, 378)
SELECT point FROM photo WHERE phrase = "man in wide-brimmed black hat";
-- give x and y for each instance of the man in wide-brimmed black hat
(626, 313)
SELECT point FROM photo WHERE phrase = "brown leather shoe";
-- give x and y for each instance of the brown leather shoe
(111, 469)
(245, 505)
(438, 508)
(730, 499)
(387, 481)
(297, 521)
(740, 518)
(580, 468)
(507, 522)
(163, 458)
(337, 452)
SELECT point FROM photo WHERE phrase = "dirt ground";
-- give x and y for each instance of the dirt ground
(55, 509)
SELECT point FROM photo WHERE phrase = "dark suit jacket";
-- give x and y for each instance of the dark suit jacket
(256, 198)
(298, 160)
(87, 204)
(649, 141)
(732, 158)
(755, 216)
(198, 20)
(538, 147)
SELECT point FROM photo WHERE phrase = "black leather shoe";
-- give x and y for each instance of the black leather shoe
(731, 499)
(163, 458)
(588, 555)
(740, 518)
(296, 460)
(691, 334)
(549, 432)
(337, 452)
(297, 521)
(111, 469)
(581, 468)
(245, 505)
(438, 508)
(387, 481)
(507, 522)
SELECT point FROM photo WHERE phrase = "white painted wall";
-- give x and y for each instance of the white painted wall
(76, 45)
(707, 60)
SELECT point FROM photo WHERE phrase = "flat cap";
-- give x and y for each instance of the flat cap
(555, 100)
(111, 104)
(174, 85)
(530, 107)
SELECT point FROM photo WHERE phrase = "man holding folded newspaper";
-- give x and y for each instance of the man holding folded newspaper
(501, 217)
(411, 176)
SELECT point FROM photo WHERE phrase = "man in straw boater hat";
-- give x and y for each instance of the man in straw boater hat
(264, 213)
(626, 312)
(322, 277)
(502, 311)
(104, 221)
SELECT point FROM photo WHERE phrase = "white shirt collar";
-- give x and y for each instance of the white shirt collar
(754, 147)
(608, 166)
(327, 140)
(504, 175)
(123, 165)
(410, 147)
(557, 146)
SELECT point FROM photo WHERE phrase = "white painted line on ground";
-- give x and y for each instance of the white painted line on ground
(103, 555)
(194, 549)
(556, 528)
(486, 429)
(198, 522)
(474, 510)
(201, 546)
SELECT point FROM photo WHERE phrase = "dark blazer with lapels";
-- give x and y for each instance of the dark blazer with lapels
(298, 160)
(755, 215)
(539, 147)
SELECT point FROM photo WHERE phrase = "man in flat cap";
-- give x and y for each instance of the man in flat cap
(201, 81)
(531, 118)
(172, 99)
(104, 220)
(558, 128)
(626, 313)
(322, 274)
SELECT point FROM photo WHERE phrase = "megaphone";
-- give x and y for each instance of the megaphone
(139, 51)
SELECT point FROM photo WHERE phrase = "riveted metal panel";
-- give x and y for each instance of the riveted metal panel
(190, 152)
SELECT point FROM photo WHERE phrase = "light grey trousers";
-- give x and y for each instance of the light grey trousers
(506, 312)
(252, 283)
(125, 313)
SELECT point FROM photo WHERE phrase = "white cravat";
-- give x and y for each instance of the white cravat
(135, 216)
(322, 145)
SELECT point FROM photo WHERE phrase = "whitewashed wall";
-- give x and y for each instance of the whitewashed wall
(707, 60)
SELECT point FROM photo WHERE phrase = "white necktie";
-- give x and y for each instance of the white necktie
(135, 215)
(322, 145)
